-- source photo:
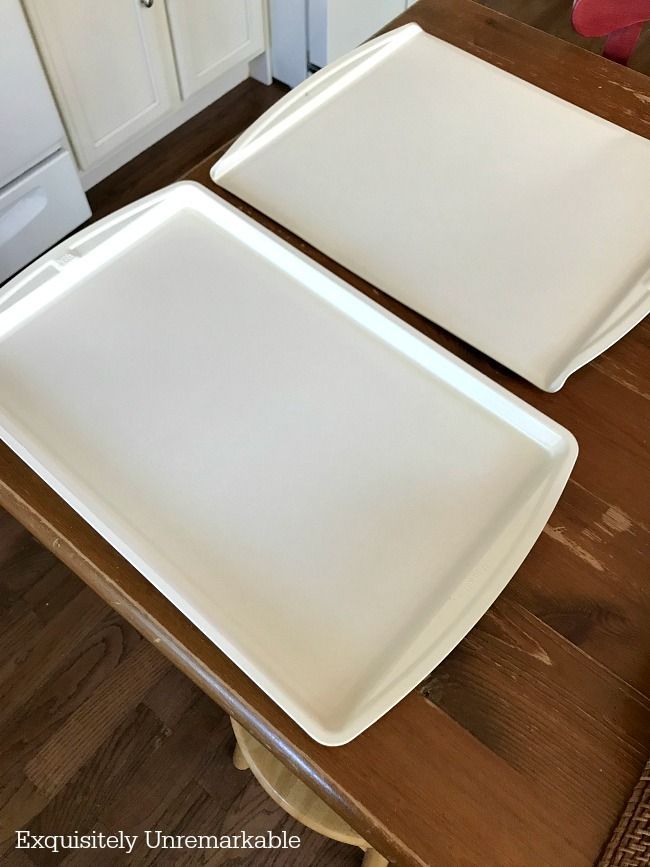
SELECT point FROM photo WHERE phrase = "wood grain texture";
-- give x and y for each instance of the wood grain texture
(554, 17)
(521, 748)
(116, 738)
(586, 79)
(288, 791)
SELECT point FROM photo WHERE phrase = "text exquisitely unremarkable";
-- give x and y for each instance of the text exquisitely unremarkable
(155, 840)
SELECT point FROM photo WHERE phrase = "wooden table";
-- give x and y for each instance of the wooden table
(521, 748)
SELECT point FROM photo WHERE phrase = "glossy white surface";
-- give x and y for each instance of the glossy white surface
(512, 218)
(329, 496)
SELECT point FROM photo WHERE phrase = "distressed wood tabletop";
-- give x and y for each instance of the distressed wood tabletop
(521, 748)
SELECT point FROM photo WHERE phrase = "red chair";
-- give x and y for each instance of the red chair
(619, 20)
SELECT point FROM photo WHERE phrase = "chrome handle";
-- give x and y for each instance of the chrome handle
(147, 3)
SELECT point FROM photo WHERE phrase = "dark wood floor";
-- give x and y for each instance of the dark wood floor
(97, 731)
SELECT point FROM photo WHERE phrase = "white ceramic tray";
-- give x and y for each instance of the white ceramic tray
(329, 496)
(510, 217)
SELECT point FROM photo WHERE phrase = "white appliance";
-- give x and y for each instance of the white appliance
(308, 34)
(41, 198)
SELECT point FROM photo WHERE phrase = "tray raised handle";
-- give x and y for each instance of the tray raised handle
(310, 94)
(67, 251)
(50, 275)
(631, 309)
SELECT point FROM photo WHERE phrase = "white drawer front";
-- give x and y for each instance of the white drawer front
(37, 210)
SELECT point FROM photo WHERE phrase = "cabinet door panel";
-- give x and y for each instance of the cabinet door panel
(106, 63)
(211, 36)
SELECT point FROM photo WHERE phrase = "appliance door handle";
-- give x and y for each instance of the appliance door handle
(19, 214)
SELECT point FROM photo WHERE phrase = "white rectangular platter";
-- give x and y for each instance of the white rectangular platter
(329, 496)
(508, 216)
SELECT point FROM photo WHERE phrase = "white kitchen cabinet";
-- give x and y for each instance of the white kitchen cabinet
(126, 72)
(210, 36)
(107, 66)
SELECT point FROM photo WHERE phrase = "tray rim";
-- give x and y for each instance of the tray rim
(53, 471)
